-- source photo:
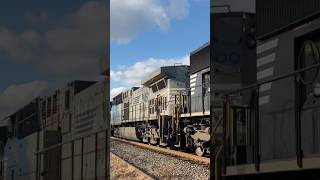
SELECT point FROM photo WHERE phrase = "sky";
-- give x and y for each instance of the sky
(45, 44)
(147, 34)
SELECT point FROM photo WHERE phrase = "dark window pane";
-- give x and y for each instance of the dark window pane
(154, 88)
(161, 85)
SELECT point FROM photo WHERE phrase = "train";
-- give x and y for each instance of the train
(61, 135)
(172, 106)
(248, 99)
(139, 112)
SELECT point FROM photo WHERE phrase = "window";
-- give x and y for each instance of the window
(154, 88)
(161, 85)
(206, 83)
(27, 127)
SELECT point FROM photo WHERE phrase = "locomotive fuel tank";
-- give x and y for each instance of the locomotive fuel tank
(129, 133)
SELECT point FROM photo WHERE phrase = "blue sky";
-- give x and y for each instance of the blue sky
(186, 27)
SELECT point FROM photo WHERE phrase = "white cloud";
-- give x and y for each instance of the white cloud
(116, 91)
(73, 44)
(131, 76)
(131, 17)
(178, 9)
(16, 96)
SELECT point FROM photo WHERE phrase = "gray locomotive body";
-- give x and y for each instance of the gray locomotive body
(196, 127)
(284, 141)
(59, 136)
(151, 113)
(275, 133)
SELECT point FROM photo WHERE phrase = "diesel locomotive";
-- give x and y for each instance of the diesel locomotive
(273, 131)
(172, 106)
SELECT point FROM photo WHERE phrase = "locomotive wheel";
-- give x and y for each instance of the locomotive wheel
(199, 151)
(153, 141)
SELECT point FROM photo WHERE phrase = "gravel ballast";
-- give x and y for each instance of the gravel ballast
(160, 166)
(121, 170)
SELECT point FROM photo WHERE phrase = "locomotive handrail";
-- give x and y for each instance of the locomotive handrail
(70, 141)
(258, 84)
(222, 6)
(217, 167)
(217, 124)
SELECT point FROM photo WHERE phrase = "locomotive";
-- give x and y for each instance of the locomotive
(59, 136)
(151, 113)
(273, 131)
(165, 111)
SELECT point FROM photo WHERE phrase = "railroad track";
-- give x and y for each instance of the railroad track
(161, 163)
(179, 154)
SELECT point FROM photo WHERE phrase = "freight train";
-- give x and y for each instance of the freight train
(59, 136)
(172, 107)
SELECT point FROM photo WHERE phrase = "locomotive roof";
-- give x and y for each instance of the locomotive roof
(200, 48)
(119, 95)
(162, 72)
(25, 107)
(200, 58)
(78, 85)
